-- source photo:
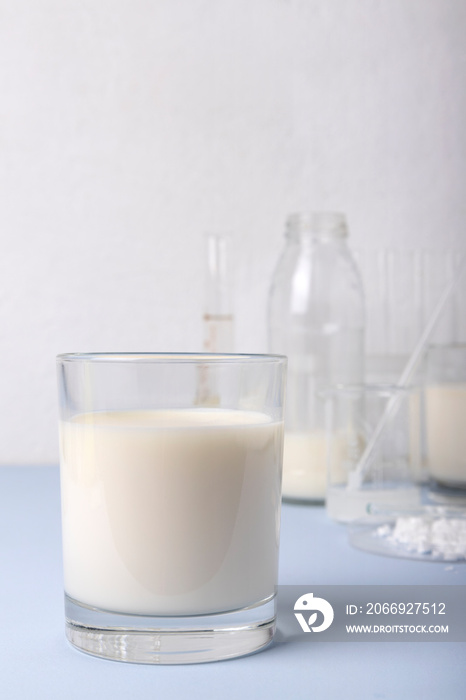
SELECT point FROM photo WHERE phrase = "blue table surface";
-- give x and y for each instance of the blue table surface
(37, 662)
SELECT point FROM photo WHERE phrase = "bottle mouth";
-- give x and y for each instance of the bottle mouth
(317, 223)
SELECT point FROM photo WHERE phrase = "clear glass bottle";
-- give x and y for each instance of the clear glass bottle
(316, 318)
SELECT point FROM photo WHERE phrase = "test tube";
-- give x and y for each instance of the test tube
(218, 318)
(218, 321)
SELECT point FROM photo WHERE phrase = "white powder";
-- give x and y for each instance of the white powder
(440, 537)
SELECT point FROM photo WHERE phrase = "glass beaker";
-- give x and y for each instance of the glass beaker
(445, 407)
(366, 465)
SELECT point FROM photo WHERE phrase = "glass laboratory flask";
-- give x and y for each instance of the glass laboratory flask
(316, 318)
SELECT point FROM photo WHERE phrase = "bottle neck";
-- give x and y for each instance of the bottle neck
(321, 226)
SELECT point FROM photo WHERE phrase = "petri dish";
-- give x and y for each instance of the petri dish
(435, 531)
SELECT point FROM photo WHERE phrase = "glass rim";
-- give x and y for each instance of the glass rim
(375, 389)
(170, 357)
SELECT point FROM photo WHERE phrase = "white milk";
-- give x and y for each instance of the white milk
(170, 512)
(304, 465)
(446, 432)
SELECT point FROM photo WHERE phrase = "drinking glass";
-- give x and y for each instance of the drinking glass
(170, 483)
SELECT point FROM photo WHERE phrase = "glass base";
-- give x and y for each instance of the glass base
(346, 505)
(449, 484)
(303, 501)
(170, 640)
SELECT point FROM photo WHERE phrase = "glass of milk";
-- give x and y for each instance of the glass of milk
(170, 482)
(445, 407)
(373, 449)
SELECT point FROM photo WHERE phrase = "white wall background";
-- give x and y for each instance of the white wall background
(130, 127)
